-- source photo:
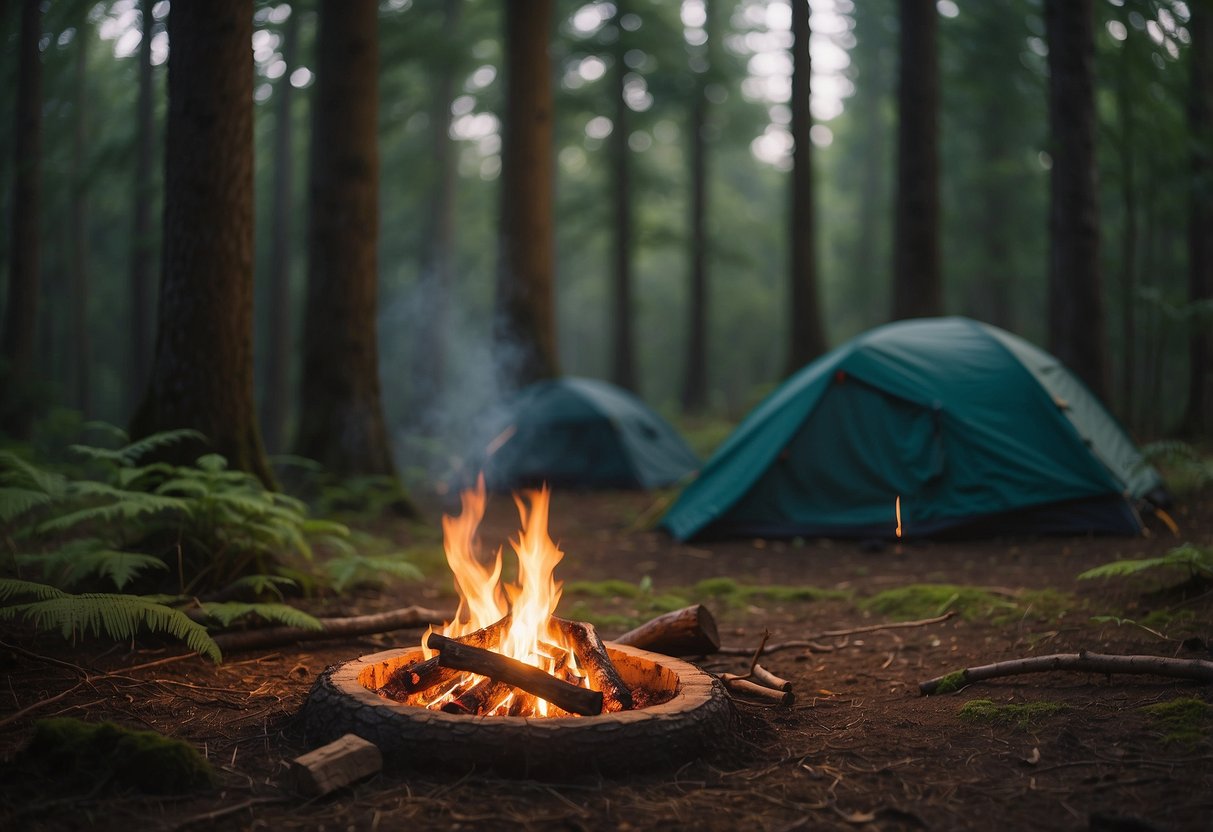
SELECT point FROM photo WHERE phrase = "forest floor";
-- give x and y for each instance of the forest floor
(859, 750)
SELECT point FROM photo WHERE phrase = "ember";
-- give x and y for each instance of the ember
(506, 654)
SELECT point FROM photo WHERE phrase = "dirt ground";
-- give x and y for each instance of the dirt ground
(859, 750)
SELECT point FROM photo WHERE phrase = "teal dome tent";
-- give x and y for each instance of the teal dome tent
(582, 433)
(972, 427)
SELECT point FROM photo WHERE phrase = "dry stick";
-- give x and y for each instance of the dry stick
(358, 625)
(1081, 662)
(592, 655)
(765, 677)
(690, 631)
(504, 669)
(738, 684)
(871, 628)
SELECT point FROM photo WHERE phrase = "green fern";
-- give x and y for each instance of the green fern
(119, 617)
(227, 612)
(1197, 560)
(16, 588)
(261, 585)
(353, 569)
(132, 452)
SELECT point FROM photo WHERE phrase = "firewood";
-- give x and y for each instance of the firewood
(762, 676)
(736, 684)
(690, 631)
(476, 699)
(337, 764)
(423, 675)
(592, 656)
(513, 672)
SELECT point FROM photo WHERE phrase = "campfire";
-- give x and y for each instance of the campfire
(506, 653)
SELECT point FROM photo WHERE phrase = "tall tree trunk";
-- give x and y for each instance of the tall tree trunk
(21, 308)
(917, 284)
(805, 327)
(1128, 233)
(623, 361)
(524, 324)
(202, 372)
(695, 380)
(142, 287)
(275, 406)
(1077, 330)
(1198, 420)
(341, 421)
(429, 348)
(81, 350)
(872, 253)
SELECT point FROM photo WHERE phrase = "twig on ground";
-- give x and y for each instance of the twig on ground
(812, 645)
(358, 625)
(1081, 662)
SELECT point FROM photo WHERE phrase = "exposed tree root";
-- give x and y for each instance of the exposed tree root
(1081, 662)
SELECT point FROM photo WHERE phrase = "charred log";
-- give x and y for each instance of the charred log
(592, 656)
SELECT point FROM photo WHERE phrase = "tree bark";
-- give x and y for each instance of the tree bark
(1077, 330)
(805, 327)
(81, 348)
(623, 359)
(1128, 234)
(202, 374)
(341, 422)
(21, 308)
(524, 325)
(275, 408)
(1198, 420)
(917, 283)
(143, 245)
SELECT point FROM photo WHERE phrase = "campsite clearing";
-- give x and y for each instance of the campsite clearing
(860, 748)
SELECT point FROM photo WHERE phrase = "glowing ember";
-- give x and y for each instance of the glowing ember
(484, 600)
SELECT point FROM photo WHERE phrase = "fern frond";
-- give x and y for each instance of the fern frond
(147, 444)
(227, 612)
(15, 471)
(183, 487)
(120, 567)
(349, 570)
(1187, 556)
(15, 588)
(128, 506)
(317, 526)
(119, 617)
(258, 585)
(15, 502)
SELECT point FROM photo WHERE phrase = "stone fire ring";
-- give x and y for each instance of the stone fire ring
(698, 717)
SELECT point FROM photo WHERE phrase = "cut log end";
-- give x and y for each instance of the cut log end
(336, 765)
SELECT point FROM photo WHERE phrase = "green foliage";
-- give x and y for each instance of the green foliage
(952, 682)
(736, 595)
(929, 600)
(1022, 717)
(81, 753)
(611, 588)
(229, 612)
(118, 617)
(1187, 470)
(1196, 561)
(1185, 720)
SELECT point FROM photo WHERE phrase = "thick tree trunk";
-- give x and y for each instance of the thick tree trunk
(341, 414)
(524, 325)
(1128, 234)
(917, 284)
(142, 288)
(623, 360)
(1199, 418)
(202, 374)
(429, 347)
(695, 380)
(1077, 330)
(275, 406)
(80, 341)
(805, 327)
(21, 308)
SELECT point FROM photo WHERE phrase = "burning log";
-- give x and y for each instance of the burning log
(477, 698)
(690, 631)
(592, 656)
(424, 675)
(459, 656)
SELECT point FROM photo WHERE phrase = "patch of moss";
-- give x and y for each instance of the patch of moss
(716, 587)
(736, 595)
(668, 602)
(952, 682)
(1022, 717)
(83, 752)
(612, 588)
(1186, 720)
(929, 600)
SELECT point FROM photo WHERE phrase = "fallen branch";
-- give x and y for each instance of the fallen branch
(1081, 662)
(737, 684)
(501, 668)
(358, 625)
(810, 644)
(765, 677)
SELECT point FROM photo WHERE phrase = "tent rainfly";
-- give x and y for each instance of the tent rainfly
(582, 433)
(973, 428)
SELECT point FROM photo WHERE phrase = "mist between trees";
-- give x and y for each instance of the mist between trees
(939, 171)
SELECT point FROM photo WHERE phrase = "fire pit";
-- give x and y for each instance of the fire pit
(509, 685)
(344, 700)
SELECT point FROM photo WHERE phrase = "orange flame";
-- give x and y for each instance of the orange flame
(897, 508)
(484, 599)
